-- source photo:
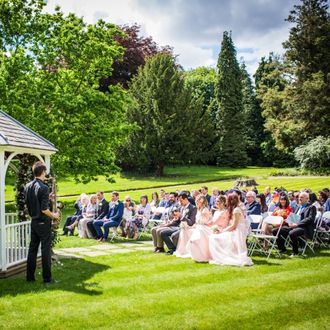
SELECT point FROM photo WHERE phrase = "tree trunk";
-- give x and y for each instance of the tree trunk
(160, 169)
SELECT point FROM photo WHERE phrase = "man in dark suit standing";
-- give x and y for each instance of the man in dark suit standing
(37, 201)
(305, 227)
(187, 213)
(102, 211)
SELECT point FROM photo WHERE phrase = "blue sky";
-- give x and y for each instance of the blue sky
(195, 27)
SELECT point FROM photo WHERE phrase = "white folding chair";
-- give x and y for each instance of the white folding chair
(256, 219)
(155, 222)
(259, 239)
(144, 227)
(114, 230)
(320, 233)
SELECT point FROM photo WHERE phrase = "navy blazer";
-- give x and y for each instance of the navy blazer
(116, 211)
(253, 208)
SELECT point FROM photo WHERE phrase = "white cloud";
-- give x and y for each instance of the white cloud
(194, 27)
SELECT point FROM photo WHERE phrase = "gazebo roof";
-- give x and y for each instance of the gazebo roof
(15, 134)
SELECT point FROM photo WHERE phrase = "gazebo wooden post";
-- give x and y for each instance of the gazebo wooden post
(2, 212)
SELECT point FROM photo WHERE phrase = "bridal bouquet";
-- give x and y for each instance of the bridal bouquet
(215, 229)
(183, 225)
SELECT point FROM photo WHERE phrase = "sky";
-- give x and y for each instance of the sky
(194, 28)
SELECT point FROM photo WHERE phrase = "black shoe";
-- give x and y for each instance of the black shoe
(169, 252)
(30, 280)
(283, 251)
(160, 250)
(51, 281)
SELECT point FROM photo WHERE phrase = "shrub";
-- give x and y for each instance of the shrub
(315, 154)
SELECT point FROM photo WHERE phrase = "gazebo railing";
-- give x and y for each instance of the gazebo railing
(10, 218)
(17, 243)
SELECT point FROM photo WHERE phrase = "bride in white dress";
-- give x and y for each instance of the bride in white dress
(229, 246)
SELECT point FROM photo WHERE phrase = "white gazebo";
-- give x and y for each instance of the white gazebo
(16, 139)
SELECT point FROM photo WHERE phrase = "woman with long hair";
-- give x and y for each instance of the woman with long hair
(282, 210)
(261, 199)
(220, 216)
(89, 215)
(198, 244)
(142, 216)
(229, 246)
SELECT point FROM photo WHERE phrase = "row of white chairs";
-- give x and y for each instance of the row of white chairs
(258, 240)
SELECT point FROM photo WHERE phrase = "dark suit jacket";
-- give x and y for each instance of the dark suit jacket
(307, 220)
(188, 216)
(116, 211)
(102, 209)
(253, 208)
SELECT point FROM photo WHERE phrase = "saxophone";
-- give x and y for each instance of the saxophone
(56, 205)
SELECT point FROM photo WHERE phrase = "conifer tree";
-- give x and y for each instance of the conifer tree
(230, 119)
(254, 122)
(166, 117)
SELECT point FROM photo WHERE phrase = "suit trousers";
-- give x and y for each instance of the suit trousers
(294, 234)
(40, 233)
(166, 236)
(156, 236)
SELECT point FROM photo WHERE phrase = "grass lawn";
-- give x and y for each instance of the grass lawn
(173, 176)
(142, 290)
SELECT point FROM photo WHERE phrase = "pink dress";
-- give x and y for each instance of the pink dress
(185, 234)
(220, 219)
(229, 248)
(198, 245)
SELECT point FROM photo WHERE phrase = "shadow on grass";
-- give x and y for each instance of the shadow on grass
(72, 274)
(265, 262)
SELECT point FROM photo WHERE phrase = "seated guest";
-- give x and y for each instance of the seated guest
(305, 227)
(185, 215)
(229, 246)
(89, 215)
(215, 194)
(84, 203)
(154, 201)
(252, 206)
(78, 214)
(101, 212)
(260, 199)
(142, 216)
(163, 198)
(268, 196)
(220, 216)
(274, 203)
(322, 198)
(156, 231)
(204, 191)
(282, 210)
(112, 219)
(198, 244)
(314, 201)
(129, 212)
(293, 202)
(194, 194)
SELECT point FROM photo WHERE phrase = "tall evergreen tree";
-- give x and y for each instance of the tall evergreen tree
(255, 134)
(166, 117)
(300, 112)
(202, 82)
(270, 85)
(230, 118)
